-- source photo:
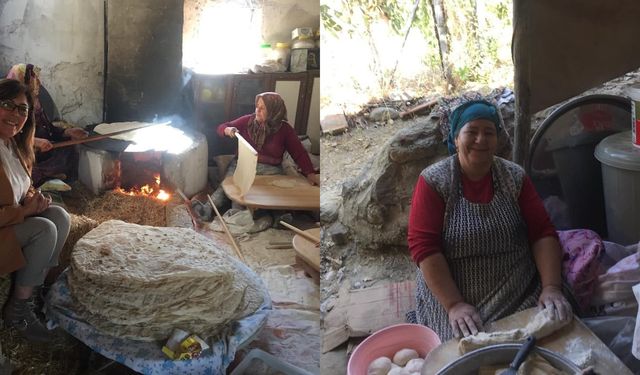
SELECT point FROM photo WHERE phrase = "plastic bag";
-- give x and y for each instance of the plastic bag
(617, 333)
(635, 350)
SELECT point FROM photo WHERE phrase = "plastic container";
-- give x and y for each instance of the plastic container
(256, 361)
(282, 54)
(266, 54)
(387, 341)
(580, 185)
(303, 42)
(268, 60)
(633, 92)
(301, 32)
(620, 161)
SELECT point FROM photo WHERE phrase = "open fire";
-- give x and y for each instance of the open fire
(148, 191)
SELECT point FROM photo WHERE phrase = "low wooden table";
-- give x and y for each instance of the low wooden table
(276, 192)
(574, 341)
(308, 254)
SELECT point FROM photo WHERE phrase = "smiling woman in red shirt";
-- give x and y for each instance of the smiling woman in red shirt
(483, 243)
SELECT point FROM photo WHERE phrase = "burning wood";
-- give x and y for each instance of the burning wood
(148, 191)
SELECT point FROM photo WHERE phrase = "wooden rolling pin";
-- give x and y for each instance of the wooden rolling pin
(226, 229)
(301, 232)
(98, 137)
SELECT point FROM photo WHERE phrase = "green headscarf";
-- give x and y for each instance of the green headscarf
(469, 111)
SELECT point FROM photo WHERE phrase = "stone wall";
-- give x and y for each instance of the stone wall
(65, 38)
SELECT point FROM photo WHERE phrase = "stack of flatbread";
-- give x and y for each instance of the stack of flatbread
(141, 282)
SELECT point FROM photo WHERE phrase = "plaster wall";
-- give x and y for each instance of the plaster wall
(65, 38)
(282, 16)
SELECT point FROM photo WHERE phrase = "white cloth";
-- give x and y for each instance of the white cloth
(18, 177)
(635, 349)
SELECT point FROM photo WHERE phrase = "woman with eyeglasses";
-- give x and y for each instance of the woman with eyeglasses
(50, 163)
(32, 231)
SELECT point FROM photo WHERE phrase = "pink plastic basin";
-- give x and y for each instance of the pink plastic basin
(387, 341)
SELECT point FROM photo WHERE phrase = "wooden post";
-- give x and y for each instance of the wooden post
(522, 70)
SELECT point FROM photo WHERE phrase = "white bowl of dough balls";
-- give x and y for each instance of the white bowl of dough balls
(396, 350)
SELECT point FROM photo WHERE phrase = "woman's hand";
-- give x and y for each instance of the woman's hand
(230, 131)
(42, 145)
(464, 319)
(314, 179)
(552, 298)
(76, 133)
(35, 203)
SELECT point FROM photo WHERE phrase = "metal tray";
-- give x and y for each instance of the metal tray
(470, 363)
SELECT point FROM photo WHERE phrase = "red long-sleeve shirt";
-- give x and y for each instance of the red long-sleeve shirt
(426, 218)
(285, 139)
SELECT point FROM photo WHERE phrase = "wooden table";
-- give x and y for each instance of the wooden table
(308, 254)
(276, 192)
(575, 341)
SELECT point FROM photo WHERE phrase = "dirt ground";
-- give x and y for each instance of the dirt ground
(342, 157)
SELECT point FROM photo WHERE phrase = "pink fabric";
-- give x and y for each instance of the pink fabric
(582, 249)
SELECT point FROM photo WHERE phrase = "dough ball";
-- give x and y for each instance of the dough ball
(398, 371)
(404, 355)
(414, 365)
(379, 366)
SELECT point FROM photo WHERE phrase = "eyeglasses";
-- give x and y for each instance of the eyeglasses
(9, 105)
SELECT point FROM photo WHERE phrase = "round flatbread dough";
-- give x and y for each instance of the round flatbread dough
(285, 183)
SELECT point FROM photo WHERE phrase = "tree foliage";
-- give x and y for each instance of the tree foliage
(478, 34)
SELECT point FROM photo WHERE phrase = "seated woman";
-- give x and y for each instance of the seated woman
(32, 232)
(58, 163)
(268, 131)
(479, 234)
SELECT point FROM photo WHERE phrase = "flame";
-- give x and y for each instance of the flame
(148, 191)
(164, 196)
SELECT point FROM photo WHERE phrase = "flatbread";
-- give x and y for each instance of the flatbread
(285, 183)
(541, 326)
(107, 128)
(247, 165)
(140, 282)
(537, 365)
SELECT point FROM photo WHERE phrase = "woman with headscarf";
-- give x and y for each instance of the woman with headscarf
(268, 131)
(50, 163)
(32, 231)
(479, 234)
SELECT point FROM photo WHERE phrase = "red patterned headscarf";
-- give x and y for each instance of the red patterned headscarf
(276, 114)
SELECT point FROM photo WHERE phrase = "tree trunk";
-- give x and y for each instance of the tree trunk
(522, 71)
(442, 33)
(474, 26)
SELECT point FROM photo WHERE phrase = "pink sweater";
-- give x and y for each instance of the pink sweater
(285, 139)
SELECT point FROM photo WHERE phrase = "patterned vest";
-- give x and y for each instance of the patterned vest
(485, 245)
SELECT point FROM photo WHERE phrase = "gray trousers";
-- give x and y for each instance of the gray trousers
(41, 237)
